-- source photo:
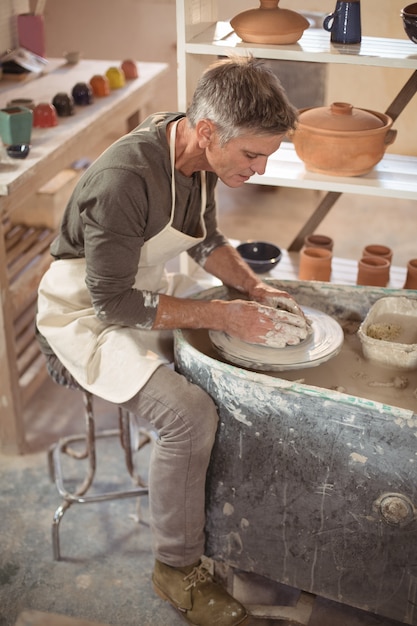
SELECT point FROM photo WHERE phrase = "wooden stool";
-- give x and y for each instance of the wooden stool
(64, 446)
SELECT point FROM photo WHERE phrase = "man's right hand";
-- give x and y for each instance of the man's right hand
(259, 324)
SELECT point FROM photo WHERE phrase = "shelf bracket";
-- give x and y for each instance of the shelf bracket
(403, 97)
(319, 214)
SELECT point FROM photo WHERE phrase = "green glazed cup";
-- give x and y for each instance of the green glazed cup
(16, 125)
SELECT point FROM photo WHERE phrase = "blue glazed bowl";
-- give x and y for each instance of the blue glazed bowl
(261, 256)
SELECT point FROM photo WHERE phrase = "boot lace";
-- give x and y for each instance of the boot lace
(200, 574)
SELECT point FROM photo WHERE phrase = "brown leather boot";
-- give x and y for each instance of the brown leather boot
(194, 594)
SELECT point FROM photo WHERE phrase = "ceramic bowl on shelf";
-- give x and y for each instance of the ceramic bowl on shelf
(64, 104)
(130, 69)
(116, 77)
(72, 57)
(82, 94)
(100, 85)
(18, 152)
(22, 102)
(409, 17)
(44, 115)
(261, 256)
(269, 24)
(342, 140)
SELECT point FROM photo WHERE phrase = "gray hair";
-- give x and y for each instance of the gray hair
(242, 95)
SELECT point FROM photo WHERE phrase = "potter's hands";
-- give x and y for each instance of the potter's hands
(266, 325)
(275, 298)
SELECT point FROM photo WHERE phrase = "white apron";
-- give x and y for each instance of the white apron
(111, 361)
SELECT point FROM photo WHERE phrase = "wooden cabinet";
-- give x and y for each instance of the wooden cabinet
(24, 248)
(201, 38)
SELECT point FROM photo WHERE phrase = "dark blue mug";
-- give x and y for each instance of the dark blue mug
(344, 23)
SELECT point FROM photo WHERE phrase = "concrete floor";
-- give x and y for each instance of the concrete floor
(105, 573)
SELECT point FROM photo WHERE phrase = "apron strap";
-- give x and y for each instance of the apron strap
(202, 176)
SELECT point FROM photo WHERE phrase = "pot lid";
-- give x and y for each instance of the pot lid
(341, 116)
(269, 19)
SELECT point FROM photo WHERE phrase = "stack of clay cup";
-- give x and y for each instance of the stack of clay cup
(316, 258)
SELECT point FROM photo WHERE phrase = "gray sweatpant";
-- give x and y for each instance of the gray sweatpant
(185, 418)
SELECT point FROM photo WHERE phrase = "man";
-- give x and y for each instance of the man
(107, 307)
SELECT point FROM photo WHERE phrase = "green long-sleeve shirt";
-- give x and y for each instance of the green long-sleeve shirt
(121, 201)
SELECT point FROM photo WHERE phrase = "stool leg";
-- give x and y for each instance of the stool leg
(55, 529)
(56, 474)
(65, 446)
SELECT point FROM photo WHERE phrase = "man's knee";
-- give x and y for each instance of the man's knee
(202, 413)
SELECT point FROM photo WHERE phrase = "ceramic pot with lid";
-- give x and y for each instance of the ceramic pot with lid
(342, 140)
(269, 24)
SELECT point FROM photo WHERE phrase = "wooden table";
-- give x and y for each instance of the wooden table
(24, 252)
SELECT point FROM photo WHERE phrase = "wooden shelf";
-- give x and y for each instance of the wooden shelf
(24, 249)
(314, 46)
(27, 257)
(395, 176)
(201, 36)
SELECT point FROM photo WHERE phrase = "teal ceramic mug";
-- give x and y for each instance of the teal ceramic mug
(16, 125)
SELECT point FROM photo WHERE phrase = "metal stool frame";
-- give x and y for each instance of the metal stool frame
(79, 494)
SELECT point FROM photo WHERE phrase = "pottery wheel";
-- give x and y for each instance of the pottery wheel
(323, 343)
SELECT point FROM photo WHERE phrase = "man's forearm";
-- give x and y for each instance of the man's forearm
(226, 264)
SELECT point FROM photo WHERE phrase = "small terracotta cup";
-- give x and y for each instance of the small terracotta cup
(318, 241)
(376, 249)
(315, 264)
(411, 278)
(373, 271)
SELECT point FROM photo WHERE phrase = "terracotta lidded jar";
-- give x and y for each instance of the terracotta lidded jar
(373, 271)
(318, 241)
(269, 24)
(411, 278)
(342, 140)
(315, 264)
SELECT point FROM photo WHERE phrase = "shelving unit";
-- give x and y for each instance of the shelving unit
(201, 37)
(24, 246)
